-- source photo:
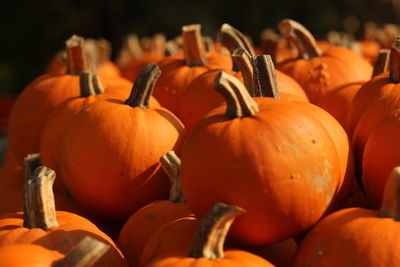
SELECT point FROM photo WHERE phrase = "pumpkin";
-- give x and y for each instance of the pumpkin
(57, 64)
(201, 97)
(40, 98)
(223, 155)
(377, 87)
(356, 236)
(207, 248)
(154, 54)
(86, 253)
(180, 70)
(319, 72)
(142, 224)
(41, 224)
(96, 160)
(380, 157)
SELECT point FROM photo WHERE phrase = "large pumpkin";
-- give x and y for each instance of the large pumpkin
(265, 155)
(109, 156)
(319, 72)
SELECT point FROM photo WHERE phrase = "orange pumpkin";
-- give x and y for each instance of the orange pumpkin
(227, 149)
(142, 224)
(112, 148)
(86, 253)
(319, 72)
(180, 70)
(41, 224)
(348, 236)
(206, 248)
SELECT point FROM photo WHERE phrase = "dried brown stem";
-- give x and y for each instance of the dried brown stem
(395, 61)
(242, 60)
(39, 209)
(233, 39)
(143, 87)
(210, 236)
(239, 102)
(84, 254)
(172, 165)
(382, 62)
(193, 46)
(301, 38)
(104, 49)
(86, 84)
(76, 58)
(265, 84)
(157, 44)
(208, 43)
(390, 207)
(269, 43)
(172, 48)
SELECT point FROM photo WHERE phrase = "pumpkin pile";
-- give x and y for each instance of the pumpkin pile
(192, 152)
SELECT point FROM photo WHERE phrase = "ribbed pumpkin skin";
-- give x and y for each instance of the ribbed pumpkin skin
(28, 255)
(200, 97)
(370, 92)
(71, 230)
(319, 75)
(337, 102)
(381, 155)
(351, 237)
(31, 108)
(176, 76)
(271, 164)
(109, 156)
(144, 223)
(135, 66)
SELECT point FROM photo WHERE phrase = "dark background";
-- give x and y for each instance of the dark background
(32, 31)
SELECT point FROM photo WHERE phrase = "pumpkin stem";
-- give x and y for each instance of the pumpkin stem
(239, 102)
(208, 43)
(382, 62)
(301, 38)
(133, 45)
(265, 84)
(90, 84)
(395, 61)
(157, 44)
(172, 48)
(76, 58)
(269, 43)
(39, 207)
(241, 58)
(84, 254)
(104, 51)
(210, 236)
(193, 46)
(172, 167)
(92, 54)
(390, 207)
(143, 87)
(31, 162)
(233, 39)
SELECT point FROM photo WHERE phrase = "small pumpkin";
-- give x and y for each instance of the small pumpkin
(207, 246)
(138, 229)
(319, 72)
(356, 236)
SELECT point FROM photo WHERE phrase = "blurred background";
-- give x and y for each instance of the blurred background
(33, 31)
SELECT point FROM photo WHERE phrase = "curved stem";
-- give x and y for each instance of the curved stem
(233, 39)
(39, 209)
(157, 44)
(265, 84)
(242, 60)
(84, 254)
(143, 87)
(239, 102)
(269, 43)
(172, 48)
(97, 85)
(390, 207)
(382, 62)
(104, 49)
(133, 45)
(208, 43)
(86, 84)
(210, 236)
(76, 59)
(172, 166)
(395, 61)
(301, 37)
(31, 162)
(193, 46)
